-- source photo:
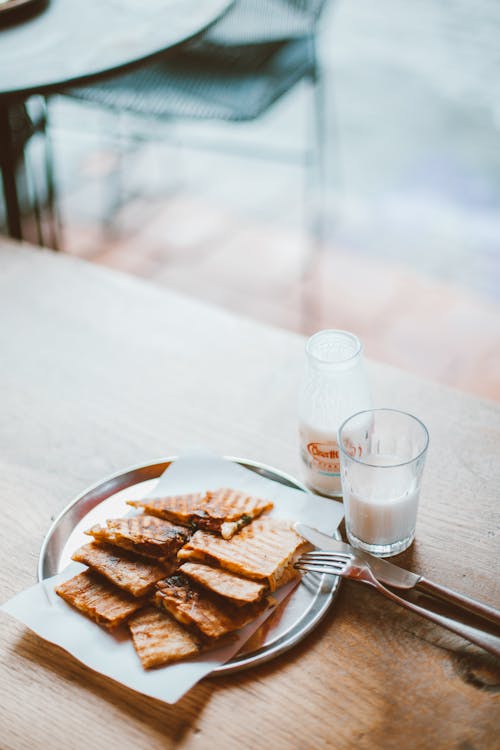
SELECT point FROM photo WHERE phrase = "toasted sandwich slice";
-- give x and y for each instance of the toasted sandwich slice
(159, 639)
(177, 508)
(238, 590)
(227, 511)
(144, 535)
(263, 551)
(135, 575)
(192, 607)
(98, 599)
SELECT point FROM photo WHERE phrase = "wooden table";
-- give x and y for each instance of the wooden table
(69, 41)
(101, 371)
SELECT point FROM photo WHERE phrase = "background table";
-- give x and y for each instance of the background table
(101, 371)
(71, 41)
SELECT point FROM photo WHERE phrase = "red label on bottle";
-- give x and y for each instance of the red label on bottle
(325, 456)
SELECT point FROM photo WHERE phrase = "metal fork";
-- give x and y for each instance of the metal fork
(348, 566)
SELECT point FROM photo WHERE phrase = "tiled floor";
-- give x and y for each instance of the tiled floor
(411, 261)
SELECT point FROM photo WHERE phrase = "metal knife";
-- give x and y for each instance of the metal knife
(398, 577)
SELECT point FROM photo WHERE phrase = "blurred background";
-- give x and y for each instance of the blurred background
(401, 245)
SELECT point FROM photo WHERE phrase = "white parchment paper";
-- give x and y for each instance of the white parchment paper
(113, 655)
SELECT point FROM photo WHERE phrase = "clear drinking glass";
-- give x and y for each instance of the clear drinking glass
(334, 386)
(382, 456)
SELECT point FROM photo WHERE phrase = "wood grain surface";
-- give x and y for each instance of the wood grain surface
(100, 371)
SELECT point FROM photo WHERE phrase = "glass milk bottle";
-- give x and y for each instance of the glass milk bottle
(334, 387)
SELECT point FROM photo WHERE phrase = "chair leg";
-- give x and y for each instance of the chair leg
(8, 168)
(32, 193)
(55, 221)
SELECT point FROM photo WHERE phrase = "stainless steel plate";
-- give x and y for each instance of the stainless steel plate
(304, 609)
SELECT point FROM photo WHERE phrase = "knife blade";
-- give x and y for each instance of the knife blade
(399, 577)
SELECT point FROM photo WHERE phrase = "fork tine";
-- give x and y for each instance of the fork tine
(328, 569)
(324, 562)
(315, 563)
(324, 553)
(326, 557)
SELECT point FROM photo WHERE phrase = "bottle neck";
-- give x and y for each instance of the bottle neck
(332, 369)
(333, 351)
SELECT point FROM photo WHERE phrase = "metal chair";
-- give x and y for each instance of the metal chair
(234, 71)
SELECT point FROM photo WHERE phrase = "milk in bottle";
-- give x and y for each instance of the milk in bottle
(334, 387)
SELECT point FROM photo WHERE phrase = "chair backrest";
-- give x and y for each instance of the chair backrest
(251, 22)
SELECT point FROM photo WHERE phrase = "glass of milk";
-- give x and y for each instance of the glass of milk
(382, 456)
(334, 386)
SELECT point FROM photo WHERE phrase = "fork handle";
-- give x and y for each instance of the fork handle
(459, 600)
(488, 641)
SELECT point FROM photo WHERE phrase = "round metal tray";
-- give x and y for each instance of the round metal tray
(304, 609)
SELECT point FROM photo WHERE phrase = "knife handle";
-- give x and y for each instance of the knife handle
(459, 600)
(488, 641)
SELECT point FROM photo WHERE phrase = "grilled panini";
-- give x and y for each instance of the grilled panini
(144, 535)
(224, 510)
(129, 573)
(238, 590)
(159, 639)
(192, 607)
(98, 599)
(263, 551)
(177, 508)
(227, 511)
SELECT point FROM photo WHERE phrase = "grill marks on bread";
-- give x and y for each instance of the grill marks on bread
(263, 551)
(190, 606)
(177, 508)
(229, 510)
(134, 575)
(98, 599)
(144, 535)
(238, 590)
(225, 511)
(158, 639)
